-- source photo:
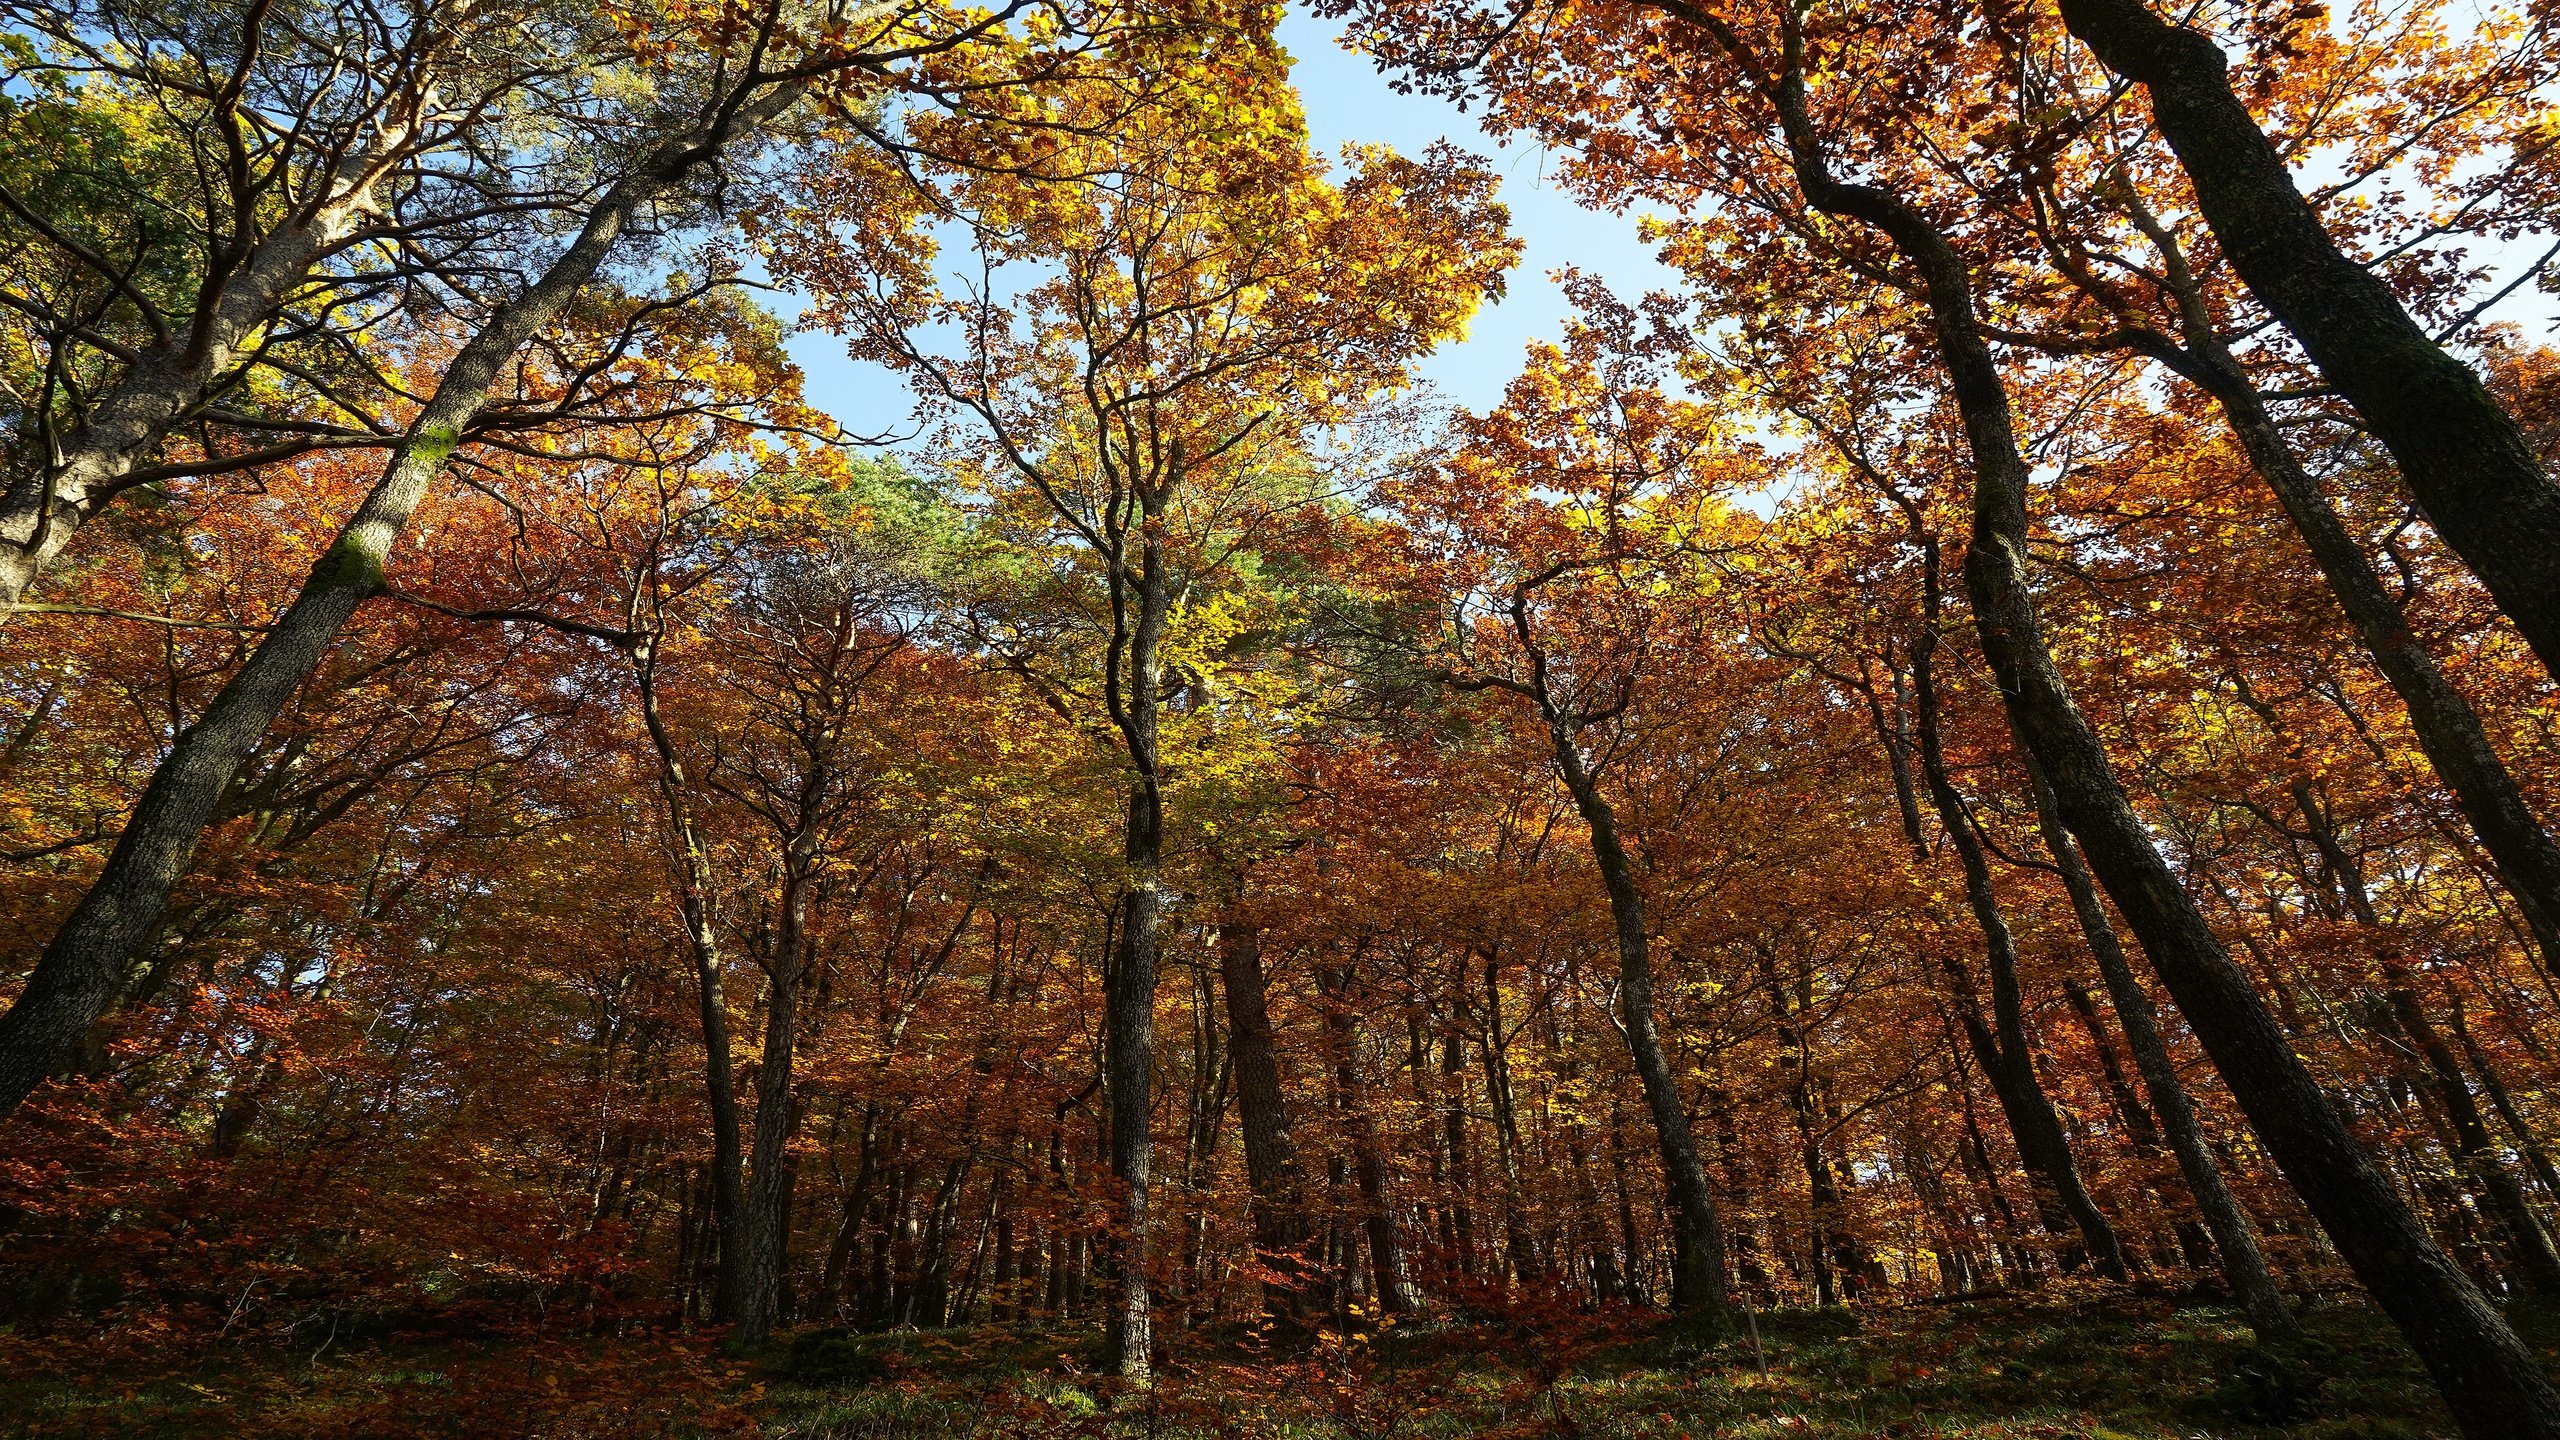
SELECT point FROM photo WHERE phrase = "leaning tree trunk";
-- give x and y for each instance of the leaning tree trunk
(2235, 1242)
(2003, 1046)
(693, 878)
(75, 979)
(2490, 1380)
(2529, 1248)
(1697, 1277)
(2448, 730)
(2466, 459)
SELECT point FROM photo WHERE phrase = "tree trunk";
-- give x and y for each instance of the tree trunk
(1270, 1157)
(2493, 1384)
(1129, 1002)
(2235, 1243)
(170, 381)
(2528, 1143)
(1697, 1277)
(1519, 1240)
(75, 979)
(2448, 730)
(2529, 1246)
(1391, 1277)
(2465, 458)
(768, 1227)
(1461, 1172)
(2003, 1047)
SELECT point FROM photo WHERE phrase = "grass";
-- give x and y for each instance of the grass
(2065, 1364)
(2080, 1365)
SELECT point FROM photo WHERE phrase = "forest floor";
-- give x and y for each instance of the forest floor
(2059, 1365)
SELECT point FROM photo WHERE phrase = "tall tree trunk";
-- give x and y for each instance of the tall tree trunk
(1453, 1128)
(768, 1227)
(1973, 1153)
(2235, 1242)
(1519, 1240)
(857, 1203)
(1391, 1277)
(1697, 1279)
(76, 977)
(1129, 1002)
(1831, 1250)
(1280, 1230)
(2465, 458)
(2492, 1382)
(2448, 730)
(2003, 1047)
(2531, 1256)
(695, 889)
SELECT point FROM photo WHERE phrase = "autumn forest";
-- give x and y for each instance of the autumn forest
(1947, 825)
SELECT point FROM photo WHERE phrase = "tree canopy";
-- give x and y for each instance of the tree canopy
(1991, 751)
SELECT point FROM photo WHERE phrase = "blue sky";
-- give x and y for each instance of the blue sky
(1347, 101)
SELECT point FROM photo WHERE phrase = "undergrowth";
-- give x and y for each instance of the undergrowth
(2064, 1364)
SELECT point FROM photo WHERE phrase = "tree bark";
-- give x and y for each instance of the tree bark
(1461, 1165)
(2531, 1255)
(170, 380)
(768, 1224)
(1519, 1241)
(694, 891)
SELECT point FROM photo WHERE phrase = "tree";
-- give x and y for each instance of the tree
(2462, 454)
(1560, 537)
(75, 981)
(1196, 291)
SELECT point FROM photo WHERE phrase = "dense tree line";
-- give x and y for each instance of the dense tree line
(2002, 736)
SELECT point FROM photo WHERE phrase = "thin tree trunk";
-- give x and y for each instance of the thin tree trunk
(1453, 1126)
(768, 1227)
(2528, 1143)
(2235, 1242)
(1391, 1278)
(2529, 1246)
(2003, 1047)
(1270, 1157)
(1698, 1280)
(1519, 1240)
